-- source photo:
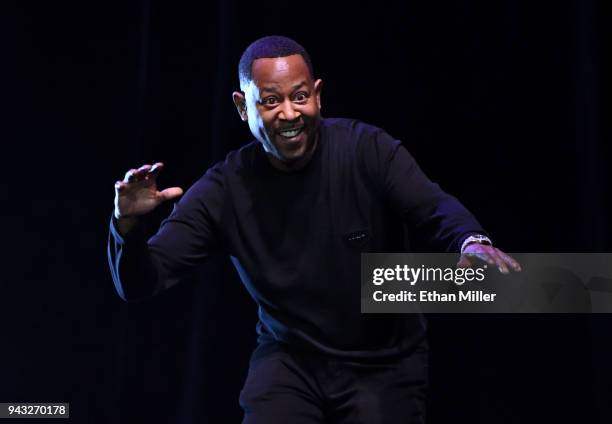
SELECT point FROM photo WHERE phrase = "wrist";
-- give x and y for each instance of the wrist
(125, 224)
(475, 238)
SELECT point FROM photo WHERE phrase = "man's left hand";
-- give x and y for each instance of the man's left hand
(475, 251)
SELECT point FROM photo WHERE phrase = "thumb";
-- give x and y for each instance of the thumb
(170, 193)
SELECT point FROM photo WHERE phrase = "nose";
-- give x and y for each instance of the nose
(288, 111)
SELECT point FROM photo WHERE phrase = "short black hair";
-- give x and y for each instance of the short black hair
(271, 46)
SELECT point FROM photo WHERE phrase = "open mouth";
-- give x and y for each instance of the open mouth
(291, 133)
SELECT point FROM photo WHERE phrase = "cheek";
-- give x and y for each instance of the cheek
(311, 112)
(256, 120)
(262, 125)
(267, 121)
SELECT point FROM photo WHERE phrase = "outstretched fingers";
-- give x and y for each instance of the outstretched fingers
(147, 173)
(156, 168)
(490, 255)
(510, 261)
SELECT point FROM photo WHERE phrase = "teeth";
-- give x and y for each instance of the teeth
(291, 133)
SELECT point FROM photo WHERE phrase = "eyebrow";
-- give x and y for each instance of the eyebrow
(273, 88)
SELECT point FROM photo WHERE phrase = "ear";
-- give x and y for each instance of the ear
(318, 85)
(240, 102)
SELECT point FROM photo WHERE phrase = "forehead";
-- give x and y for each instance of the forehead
(280, 71)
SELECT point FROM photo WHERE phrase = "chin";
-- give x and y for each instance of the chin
(292, 157)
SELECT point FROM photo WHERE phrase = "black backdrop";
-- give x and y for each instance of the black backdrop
(501, 103)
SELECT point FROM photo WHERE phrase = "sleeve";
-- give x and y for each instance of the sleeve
(433, 218)
(141, 268)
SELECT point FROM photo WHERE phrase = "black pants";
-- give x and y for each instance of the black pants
(290, 387)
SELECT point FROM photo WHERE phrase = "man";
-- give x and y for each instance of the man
(294, 209)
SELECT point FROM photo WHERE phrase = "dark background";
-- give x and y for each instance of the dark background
(502, 103)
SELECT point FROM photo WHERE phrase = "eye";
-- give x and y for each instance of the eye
(301, 96)
(269, 101)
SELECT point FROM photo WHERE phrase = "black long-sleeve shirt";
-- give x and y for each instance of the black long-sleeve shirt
(295, 238)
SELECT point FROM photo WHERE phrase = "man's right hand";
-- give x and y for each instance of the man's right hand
(137, 195)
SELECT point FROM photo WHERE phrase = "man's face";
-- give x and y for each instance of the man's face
(283, 107)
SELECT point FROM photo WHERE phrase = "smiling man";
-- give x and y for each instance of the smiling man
(281, 102)
(294, 209)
